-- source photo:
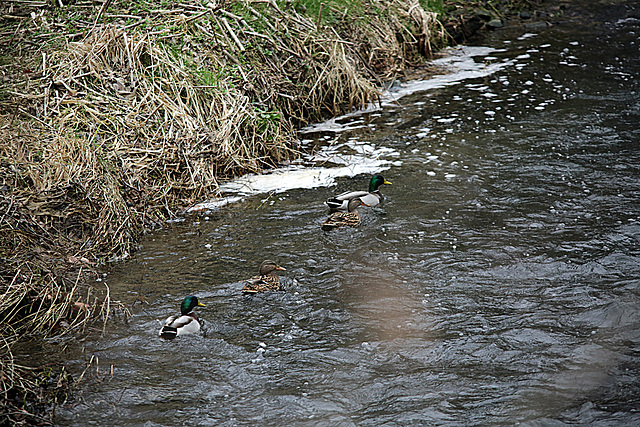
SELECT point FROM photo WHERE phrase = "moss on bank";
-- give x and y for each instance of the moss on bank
(116, 115)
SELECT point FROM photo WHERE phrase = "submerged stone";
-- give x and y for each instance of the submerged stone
(541, 25)
(494, 23)
(484, 14)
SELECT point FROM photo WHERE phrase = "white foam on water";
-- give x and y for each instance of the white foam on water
(458, 61)
(355, 157)
(526, 36)
(285, 179)
(294, 177)
(213, 204)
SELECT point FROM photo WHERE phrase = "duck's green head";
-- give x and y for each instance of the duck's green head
(189, 303)
(377, 181)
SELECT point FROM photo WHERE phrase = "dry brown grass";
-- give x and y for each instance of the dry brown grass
(52, 217)
(153, 119)
(40, 304)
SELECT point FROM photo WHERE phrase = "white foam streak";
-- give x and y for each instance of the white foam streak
(460, 61)
(461, 66)
(282, 180)
(358, 157)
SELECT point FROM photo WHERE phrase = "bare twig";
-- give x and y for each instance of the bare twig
(233, 34)
(103, 9)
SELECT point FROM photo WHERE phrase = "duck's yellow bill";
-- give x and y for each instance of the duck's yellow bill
(387, 182)
(201, 304)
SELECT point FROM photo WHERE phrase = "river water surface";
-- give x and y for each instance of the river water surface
(499, 283)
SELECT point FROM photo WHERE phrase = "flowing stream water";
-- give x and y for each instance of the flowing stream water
(499, 283)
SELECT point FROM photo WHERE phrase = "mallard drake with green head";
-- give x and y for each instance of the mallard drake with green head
(184, 323)
(373, 197)
(351, 218)
(267, 280)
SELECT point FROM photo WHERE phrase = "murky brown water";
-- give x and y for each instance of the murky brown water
(498, 284)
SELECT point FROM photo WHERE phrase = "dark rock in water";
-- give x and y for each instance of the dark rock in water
(494, 23)
(483, 14)
(541, 25)
(463, 28)
(525, 15)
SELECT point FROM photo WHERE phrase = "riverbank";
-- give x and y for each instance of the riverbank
(115, 117)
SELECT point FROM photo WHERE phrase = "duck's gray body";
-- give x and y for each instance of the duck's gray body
(341, 201)
(373, 197)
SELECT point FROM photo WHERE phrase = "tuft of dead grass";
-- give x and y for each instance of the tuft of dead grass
(40, 304)
(155, 118)
(52, 220)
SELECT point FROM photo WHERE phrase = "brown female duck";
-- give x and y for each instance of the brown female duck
(345, 219)
(268, 280)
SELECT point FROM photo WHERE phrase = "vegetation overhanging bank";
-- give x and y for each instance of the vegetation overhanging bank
(114, 115)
